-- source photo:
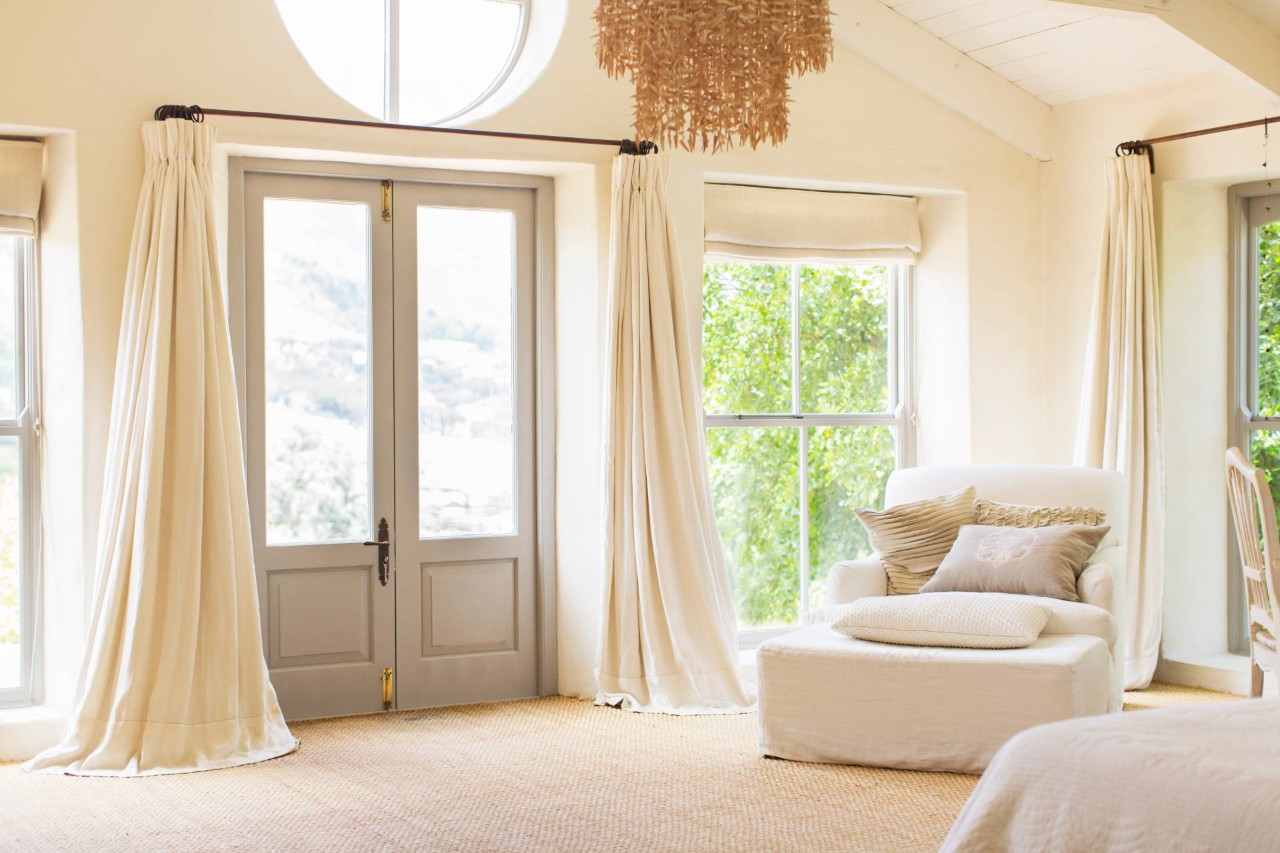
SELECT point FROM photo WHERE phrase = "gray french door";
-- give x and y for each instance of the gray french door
(389, 360)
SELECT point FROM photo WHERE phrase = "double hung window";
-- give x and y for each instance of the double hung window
(805, 369)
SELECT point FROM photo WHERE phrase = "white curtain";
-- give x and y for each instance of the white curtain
(1120, 415)
(174, 678)
(668, 642)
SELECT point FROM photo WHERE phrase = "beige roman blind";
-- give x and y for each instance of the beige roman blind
(765, 224)
(21, 172)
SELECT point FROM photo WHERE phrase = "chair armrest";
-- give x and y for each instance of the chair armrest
(853, 579)
(1095, 586)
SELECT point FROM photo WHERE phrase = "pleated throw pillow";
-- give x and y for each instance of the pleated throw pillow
(912, 538)
(1021, 515)
(1019, 560)
(966, 620)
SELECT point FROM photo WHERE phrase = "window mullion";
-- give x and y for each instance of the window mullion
(803, 443)
(391, 74)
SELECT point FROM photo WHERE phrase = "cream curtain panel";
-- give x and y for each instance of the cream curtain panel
(668, 641)
(21, 174)
(763, 224)
(174, 678)
(1120, 417)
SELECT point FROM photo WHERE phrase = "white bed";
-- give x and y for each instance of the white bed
(1202, 778)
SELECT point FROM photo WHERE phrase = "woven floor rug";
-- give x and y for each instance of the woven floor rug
(541, 775)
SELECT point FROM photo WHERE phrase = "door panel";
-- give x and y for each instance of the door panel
(318, 393)
(464, 314)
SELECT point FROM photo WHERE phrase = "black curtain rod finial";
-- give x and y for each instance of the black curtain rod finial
(168, 111)
(644, 146)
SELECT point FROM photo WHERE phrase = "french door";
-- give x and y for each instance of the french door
(390, 382)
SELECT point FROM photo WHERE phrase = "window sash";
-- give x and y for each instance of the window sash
(899, 419)
(391, 71)
(25, 427)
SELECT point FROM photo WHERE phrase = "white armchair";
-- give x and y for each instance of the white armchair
(825, 697)
(1101, 584)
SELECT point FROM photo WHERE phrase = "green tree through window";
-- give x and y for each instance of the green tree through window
(1265, 443)
(794, 448)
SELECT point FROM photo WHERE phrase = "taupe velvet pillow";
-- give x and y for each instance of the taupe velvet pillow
(1024, 561)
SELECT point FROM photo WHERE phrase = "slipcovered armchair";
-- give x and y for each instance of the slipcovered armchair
(1101, 584)
(826, 697)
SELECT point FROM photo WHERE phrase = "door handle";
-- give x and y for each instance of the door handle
(384, 551)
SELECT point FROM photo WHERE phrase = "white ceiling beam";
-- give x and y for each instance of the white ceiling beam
(926, 62)
(1247, 47)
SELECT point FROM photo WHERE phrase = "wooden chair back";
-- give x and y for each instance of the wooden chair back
(1254, 515)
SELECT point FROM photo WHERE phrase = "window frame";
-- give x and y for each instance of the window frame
(1243, 418)
(25, 426)
(391, 69)
(899, 416)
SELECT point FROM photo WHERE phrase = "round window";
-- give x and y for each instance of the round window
(410, 61)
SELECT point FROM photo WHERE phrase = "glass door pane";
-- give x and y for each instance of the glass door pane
(466, 384)
(316, 341)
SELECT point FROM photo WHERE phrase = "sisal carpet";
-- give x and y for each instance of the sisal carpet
(540, 775)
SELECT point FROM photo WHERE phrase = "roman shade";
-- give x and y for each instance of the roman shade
(765, 224)
(21, 172)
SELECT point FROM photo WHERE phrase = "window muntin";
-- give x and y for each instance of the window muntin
(794, 444)
(17, 483)
(410, 61)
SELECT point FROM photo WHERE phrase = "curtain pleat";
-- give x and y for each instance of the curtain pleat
(668, 639)
(174, 678)
(1120, 416)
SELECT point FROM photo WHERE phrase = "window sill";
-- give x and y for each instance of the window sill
(28, 730)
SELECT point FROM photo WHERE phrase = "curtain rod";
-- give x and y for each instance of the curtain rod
(1137, 145)
(804, 189)
(197, 113)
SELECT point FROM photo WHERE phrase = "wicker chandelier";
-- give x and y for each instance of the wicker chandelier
(712, 74)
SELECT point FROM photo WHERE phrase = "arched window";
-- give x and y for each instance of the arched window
(410, 61)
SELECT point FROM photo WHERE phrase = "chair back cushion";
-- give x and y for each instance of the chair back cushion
(1038, 485)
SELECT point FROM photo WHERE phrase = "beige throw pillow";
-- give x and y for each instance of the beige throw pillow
(1023, 561)
(1020, 515)
(964, 620)
(912, 538)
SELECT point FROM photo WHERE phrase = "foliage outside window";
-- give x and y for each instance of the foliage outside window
(804, 395)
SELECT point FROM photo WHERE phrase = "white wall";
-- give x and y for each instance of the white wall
(94, 72)
(1191, 184)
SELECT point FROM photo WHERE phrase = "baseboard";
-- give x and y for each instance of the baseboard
(27, 731)
(1224, 672)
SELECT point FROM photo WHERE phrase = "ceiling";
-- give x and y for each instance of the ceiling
(1061, 52)
(1266, 12)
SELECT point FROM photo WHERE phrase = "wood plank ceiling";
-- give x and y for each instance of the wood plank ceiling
(1061, 52)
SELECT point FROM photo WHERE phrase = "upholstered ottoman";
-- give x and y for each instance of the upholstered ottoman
(827, 698)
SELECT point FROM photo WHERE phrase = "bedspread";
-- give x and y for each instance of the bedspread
(1202, 778)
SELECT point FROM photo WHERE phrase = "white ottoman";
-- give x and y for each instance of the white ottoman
(827, 698)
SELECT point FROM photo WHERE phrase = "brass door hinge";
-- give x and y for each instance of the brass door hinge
(386, 201)
(388, 688)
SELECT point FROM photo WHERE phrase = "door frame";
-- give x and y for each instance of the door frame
(543, 188)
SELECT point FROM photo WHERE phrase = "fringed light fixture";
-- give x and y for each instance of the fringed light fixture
(711, 74)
